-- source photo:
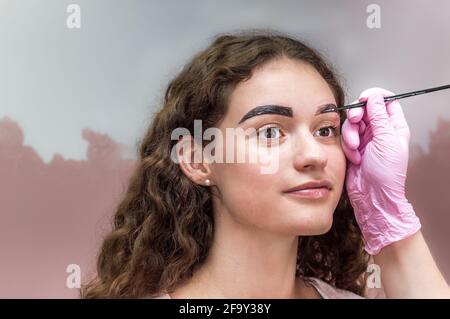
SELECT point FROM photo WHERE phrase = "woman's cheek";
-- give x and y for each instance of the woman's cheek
(337, 166)
(243, 192)
(258, 184)
(263, 157)
(340, 166)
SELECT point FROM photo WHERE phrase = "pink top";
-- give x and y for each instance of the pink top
(324, 289)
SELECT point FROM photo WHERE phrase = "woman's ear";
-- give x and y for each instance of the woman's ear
(192, 161)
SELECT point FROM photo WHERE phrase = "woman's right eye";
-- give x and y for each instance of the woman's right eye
(269, 133)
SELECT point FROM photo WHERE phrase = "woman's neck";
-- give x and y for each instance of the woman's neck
(246, 262)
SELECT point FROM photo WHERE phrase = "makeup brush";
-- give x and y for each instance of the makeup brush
(388, 98)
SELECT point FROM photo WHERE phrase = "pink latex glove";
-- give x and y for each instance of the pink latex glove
(375, 140)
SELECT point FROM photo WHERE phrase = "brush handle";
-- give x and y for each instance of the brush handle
(394, 97)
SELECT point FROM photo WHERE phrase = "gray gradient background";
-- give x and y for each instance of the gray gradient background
(110, 75)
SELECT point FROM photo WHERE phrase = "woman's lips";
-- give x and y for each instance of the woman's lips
(311, 193)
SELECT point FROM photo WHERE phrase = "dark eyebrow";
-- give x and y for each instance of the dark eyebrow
(267, 109)
(281, 110)
(326, 108)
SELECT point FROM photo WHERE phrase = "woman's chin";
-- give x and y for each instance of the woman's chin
(318, 224)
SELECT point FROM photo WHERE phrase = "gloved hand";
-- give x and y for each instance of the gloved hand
(375, 140)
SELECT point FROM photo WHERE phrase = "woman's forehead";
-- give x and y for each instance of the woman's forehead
(289, 86)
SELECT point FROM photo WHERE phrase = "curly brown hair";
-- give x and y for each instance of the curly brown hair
(163, 227)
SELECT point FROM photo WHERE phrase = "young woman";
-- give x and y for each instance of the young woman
(226, 229)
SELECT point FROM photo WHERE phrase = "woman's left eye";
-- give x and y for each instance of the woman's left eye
(334, 128)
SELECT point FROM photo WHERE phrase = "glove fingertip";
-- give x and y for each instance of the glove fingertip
(350, 135)
(355, 115)
(351, 154)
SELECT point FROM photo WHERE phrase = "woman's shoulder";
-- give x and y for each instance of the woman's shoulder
(328, 291)
(325, 290)
(163, 296)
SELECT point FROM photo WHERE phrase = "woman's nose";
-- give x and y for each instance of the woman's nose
(309, 153)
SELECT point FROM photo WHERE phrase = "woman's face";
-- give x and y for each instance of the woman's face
(303, 145)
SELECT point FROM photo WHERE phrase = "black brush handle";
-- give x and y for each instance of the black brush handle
(390, 98)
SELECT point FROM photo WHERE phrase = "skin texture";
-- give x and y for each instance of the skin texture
(255, 243)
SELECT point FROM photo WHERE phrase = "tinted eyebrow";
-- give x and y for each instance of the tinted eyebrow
(281, 110)
(267, 109)
(330, 107)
